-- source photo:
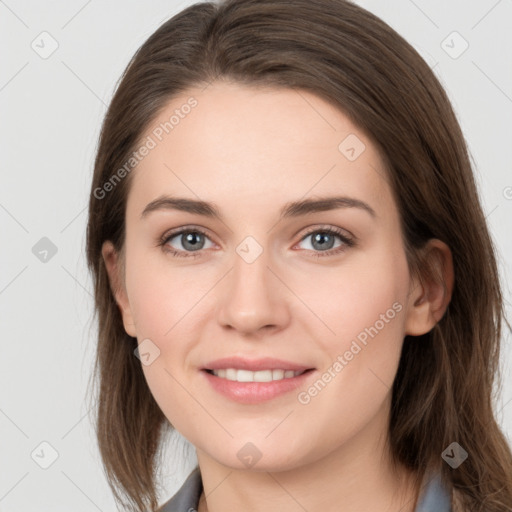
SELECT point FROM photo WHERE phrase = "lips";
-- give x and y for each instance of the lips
(254, 365)
(247, 381)
(252, 393)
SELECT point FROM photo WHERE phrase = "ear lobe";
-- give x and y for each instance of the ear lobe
(431, 295)
(113, 265)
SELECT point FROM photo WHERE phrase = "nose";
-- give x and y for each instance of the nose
(254, 298)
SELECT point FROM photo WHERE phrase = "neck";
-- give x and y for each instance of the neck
(358, 475)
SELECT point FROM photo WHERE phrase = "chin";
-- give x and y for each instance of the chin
(250, 457)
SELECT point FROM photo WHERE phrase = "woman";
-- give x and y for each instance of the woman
(292, 269)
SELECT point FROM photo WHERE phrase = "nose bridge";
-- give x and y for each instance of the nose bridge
(254, 298)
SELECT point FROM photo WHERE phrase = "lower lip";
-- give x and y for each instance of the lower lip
(255, 392)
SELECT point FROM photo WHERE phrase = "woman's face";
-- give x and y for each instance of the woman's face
(262, 278)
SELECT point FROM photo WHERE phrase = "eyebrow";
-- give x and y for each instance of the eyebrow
(289, 210)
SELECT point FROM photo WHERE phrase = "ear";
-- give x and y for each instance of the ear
(114, 268)
(430, 295)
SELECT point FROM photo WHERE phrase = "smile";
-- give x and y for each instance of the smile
(258, 376)
(254, 387)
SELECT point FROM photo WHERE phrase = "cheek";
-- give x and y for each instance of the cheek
(363, 304)
(164, 312)
(366, 292)
(160, 295)
(166, 307)
(367, 313)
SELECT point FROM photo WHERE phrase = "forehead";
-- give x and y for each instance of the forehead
(233, 143)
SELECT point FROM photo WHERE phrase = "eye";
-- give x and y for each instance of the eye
(324, 238)
(192, 240)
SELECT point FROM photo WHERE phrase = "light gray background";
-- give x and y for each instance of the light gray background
(51, 111)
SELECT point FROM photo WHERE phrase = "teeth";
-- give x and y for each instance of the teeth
(259, 376)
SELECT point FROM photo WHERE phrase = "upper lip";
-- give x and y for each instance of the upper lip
(265, 363)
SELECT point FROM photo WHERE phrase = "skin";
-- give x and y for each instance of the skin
(250, 151)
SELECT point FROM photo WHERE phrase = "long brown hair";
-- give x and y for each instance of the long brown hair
(445, 385)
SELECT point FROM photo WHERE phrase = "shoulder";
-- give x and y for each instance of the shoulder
(439, 495)
(436, 495)
(187, 497)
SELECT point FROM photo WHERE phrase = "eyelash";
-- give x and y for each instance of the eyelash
(348, 242)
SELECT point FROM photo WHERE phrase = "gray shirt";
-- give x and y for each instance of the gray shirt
(434, 496)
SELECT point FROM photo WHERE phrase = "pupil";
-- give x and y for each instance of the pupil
(191, 239)
(320, 238)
